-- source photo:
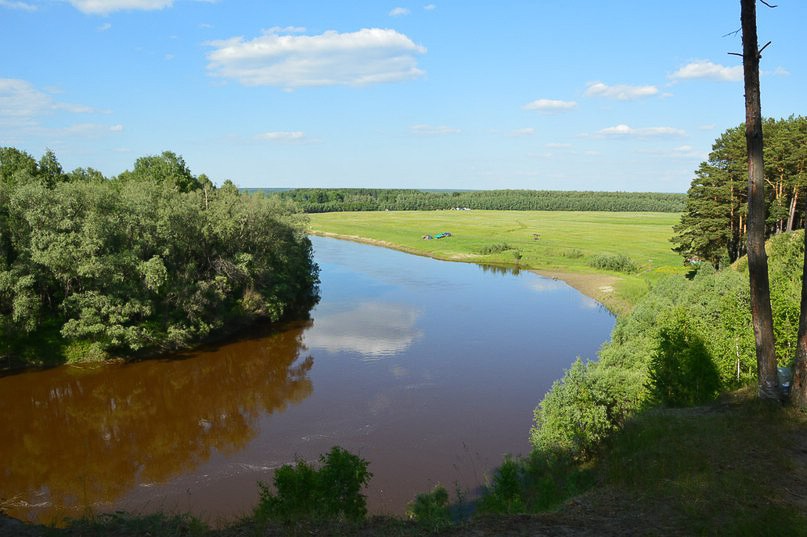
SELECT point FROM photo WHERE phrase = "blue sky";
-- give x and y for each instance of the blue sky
(565, 95)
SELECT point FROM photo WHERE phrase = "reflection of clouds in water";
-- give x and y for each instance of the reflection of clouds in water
(542, 285)
(589, 303)
(373, 329)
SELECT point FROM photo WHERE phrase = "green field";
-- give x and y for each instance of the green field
(560, 244)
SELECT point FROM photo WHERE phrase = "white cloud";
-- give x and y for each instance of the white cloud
(623, 130)
(103, 7)
(685, 152)
(779, 71)
(620, 92)
(557, 145)
(20, 6)
(430, 7)
(398, 12)
(282, 136)
(21, 100)
(104, 27)
(367, 56)
(708, 70)
(549, 105)
(526, 131)
(433, 130)
(87, 130)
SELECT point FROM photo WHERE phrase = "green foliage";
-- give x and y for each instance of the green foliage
(538, 483)
(614, 262)
(431, 509)
(681, 371)
(583, 408)
(713, 226)
(572, 253)
(330, 492)
(151, 260)
(319, 200)
(495, 248)
(683, 342)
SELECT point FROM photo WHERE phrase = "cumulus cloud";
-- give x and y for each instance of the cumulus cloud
(282, 136)
(620, 92)
(430, 7)
(708, 70)
(623, 130)
(19, 6)
(549, 105)
(526, 131)
(558, 145)
(398, 12)
(433, 130)
(278, 58)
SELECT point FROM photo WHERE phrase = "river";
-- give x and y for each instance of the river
(430, 370)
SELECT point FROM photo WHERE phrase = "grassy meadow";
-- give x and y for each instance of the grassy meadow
(554, 243)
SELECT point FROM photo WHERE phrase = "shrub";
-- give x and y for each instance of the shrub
(431, 508)
(681, 370)
(584, 408)
(505, 493)
(497, 248)
(616, 263)
(302, 492)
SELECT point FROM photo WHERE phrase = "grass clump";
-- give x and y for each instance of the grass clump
(332, 492)
(572, 253)
(497, 248)
(614, 262)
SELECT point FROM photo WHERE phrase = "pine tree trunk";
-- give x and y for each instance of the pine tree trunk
(767, 383)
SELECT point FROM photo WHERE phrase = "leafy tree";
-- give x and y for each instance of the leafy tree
(167, 167)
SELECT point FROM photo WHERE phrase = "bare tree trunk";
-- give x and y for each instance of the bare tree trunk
(768, 385)
(791, 218)
(798, 386)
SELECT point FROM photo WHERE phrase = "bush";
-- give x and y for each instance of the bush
(583, 409)
(497, 248)
(616, 263)
(540, 482)
(302, 492)
(431, 508)
(681, 371)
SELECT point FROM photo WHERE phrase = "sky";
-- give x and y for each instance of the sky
(453, 94)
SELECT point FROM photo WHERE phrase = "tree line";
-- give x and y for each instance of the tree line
(153, 259)
(714, 226)
(321, 200)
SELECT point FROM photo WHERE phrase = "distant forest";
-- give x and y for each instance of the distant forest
(325, 200)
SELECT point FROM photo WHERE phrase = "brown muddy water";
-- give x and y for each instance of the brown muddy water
(429, 370)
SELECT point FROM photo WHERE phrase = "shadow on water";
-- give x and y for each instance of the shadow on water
(75, 438)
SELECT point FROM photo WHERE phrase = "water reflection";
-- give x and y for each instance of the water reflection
(78, 438)
(499, 269)
(372, 329)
